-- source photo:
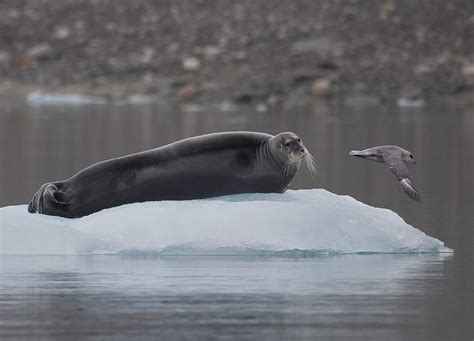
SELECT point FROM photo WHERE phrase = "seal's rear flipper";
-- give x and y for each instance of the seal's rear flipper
(52, 198)
(47, 200)
(36, 203)
(31, 209)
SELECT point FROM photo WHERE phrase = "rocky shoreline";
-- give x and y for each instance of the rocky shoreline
(402, 52)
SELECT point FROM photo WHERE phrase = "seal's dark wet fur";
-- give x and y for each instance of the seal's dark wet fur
(199, 167)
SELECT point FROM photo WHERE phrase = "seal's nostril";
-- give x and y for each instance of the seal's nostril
(302, 150)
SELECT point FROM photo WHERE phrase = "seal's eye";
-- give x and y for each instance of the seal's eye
(288, 144)
(299, 140)
(411, 156)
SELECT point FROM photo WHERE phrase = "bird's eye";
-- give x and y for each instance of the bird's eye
(287, 144)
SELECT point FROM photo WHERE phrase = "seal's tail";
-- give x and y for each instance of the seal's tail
(47, 200)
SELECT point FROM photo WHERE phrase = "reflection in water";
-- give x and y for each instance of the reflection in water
(412, 298)
(241, 297)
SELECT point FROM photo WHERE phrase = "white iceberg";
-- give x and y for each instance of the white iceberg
(296, 223)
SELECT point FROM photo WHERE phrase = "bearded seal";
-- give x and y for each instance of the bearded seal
(195, 168)
(395, 157)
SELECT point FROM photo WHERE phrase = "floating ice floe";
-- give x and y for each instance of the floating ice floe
(296, 223)
(141, 99)
(410, 102)
(36, 98)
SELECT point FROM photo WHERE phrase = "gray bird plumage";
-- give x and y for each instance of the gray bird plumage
(395, 157)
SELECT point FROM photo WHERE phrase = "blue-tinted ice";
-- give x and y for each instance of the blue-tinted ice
(296, 223)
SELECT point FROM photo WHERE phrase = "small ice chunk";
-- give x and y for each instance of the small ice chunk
(37, 98)
(410, 102)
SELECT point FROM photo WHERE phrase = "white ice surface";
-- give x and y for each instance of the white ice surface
(303, 222)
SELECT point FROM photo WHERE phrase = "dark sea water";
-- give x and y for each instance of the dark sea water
(370, 297)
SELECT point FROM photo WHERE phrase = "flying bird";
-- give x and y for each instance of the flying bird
(395, 157)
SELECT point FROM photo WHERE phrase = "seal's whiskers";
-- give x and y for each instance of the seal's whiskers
(310, 162)
(308, 159)
(289, 165)
(286, 168)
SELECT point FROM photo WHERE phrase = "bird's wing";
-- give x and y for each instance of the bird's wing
(398, 167)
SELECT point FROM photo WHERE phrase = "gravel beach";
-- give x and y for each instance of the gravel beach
(240, 51)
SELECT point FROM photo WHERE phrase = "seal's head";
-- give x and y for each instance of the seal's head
(290, 151)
